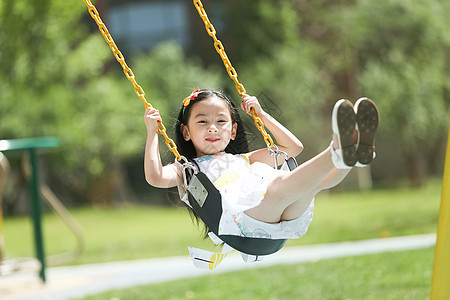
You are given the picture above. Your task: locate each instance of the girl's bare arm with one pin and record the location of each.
(285, 140)
(156, 174)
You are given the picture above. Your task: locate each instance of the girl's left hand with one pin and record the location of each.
(249, 102)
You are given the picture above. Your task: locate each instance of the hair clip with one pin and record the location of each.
(190, 98)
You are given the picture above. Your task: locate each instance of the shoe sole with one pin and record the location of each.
(367, 119)
(343, 122)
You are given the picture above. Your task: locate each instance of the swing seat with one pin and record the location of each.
(206, 201)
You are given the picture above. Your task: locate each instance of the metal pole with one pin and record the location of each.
(4, 169)
(440, 283)
(36, 211)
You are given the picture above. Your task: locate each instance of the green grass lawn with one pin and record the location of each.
(396, 275)
(138, 231)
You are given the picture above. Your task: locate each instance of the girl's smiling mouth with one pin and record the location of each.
(212, 139)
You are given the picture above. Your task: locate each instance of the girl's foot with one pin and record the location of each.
(343, 120)
(367, 124)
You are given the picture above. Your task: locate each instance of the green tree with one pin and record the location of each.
(54, 82)
(294, 92)
(396, 52)
(258, 28)
(407, 72)
(277, 64)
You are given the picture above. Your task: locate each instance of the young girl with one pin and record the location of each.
(258, 200)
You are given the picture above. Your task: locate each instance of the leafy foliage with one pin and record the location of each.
(296, 90)
(59, 79)
(259, 27)
(65, 83)
(408, 72)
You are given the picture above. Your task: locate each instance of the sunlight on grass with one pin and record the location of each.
(137, 231)
(375, 214)
(397, 275)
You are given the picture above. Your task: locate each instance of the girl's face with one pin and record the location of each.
(210, 127)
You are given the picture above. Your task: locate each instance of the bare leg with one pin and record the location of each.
(297, 208)
(333, 178)
(368, 118)
(290, 194)
(299, 185)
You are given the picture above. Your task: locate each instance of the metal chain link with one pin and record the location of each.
(230, 70)
(128, 73)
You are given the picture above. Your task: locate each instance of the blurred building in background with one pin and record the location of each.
(140, 25)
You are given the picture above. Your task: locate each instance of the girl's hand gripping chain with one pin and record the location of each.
(151, 118)
(249, 102)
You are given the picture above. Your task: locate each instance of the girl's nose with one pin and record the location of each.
(212, 128)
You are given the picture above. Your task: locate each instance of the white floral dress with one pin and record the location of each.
(243, 186)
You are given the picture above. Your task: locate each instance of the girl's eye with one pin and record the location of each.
(222, 121)
(202, 122)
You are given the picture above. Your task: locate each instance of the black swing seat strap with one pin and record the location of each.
(292, 163)
(206, 201)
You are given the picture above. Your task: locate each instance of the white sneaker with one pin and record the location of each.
(343, 123)
(367, 119)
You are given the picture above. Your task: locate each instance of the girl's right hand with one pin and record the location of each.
(151, 118)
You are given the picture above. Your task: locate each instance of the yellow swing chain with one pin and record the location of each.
(230, 70)
(128, 73)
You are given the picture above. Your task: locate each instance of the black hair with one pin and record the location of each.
(186, 148)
